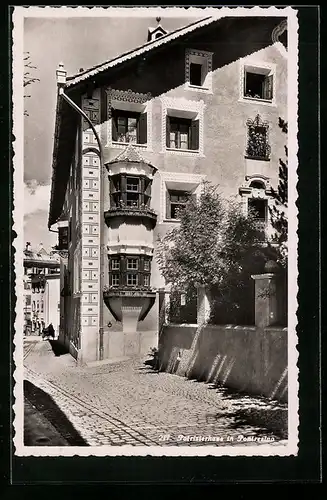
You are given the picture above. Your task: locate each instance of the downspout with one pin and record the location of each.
(101, 277)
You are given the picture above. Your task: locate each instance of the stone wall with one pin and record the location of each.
(249, 359)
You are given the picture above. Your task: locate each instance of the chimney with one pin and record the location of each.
(28, 246)
(61, 74)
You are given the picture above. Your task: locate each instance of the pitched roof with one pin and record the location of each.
(85, 75)
(129, 154)
(40, 259)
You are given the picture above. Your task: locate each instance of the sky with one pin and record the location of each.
(79, 43)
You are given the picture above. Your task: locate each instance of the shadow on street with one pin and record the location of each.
(58, 348)
(47, 411)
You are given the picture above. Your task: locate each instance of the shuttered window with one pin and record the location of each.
(182, 133)
(258, 85)
(129, 127)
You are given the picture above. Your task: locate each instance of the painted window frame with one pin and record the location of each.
(194, 56)
(182, 108)
(248, 191)
(191, 183)
(257, 66)
(128, 101)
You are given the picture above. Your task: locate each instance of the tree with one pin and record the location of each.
(214, 246)
(278, 212)
(28, 78)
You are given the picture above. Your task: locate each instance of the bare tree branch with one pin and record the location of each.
(28, 78)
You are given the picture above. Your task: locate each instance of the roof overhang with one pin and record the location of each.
(63, 153)
(149, 46)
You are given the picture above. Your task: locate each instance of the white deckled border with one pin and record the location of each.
(291, 447)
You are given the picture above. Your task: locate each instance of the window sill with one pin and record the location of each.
(256, 158)
(116, 144)
(172, 221)
(179, 150)
(198, 88)
(258, 100)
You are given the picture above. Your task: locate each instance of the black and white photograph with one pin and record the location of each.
(155, 177)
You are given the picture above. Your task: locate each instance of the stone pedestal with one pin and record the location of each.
(266, 300)
(203, 305)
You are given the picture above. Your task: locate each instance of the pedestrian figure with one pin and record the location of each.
(48, 332)
(51, 331)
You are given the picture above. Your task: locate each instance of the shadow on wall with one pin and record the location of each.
(246, 359)
(48, 409)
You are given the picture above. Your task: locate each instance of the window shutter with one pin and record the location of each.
(168, 210)
(268, 88)
(142, 129)
(167, 131)
(244, 82)
(104, 105)
(114, 126)
(194, 143)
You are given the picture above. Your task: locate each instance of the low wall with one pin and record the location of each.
(118, 344)
(248, 359)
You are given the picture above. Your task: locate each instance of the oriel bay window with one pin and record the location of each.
(115, 264)
(115, 279)
(126, 271)
(129, 191)
(132, 264)
(146, 280)
(146, 265)
(128, 126)
(182, 133)
(132, 279)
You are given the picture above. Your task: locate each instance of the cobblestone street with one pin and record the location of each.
(128, 403)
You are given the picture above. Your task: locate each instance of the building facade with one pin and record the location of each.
(134, 139)
(41, 290)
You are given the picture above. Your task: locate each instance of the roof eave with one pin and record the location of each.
(53, 217)
(82, 77)
(51, 220)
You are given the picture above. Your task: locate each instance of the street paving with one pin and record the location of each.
(127, 403)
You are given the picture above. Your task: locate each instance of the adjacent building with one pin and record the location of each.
(41, 290)
(135, 137)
